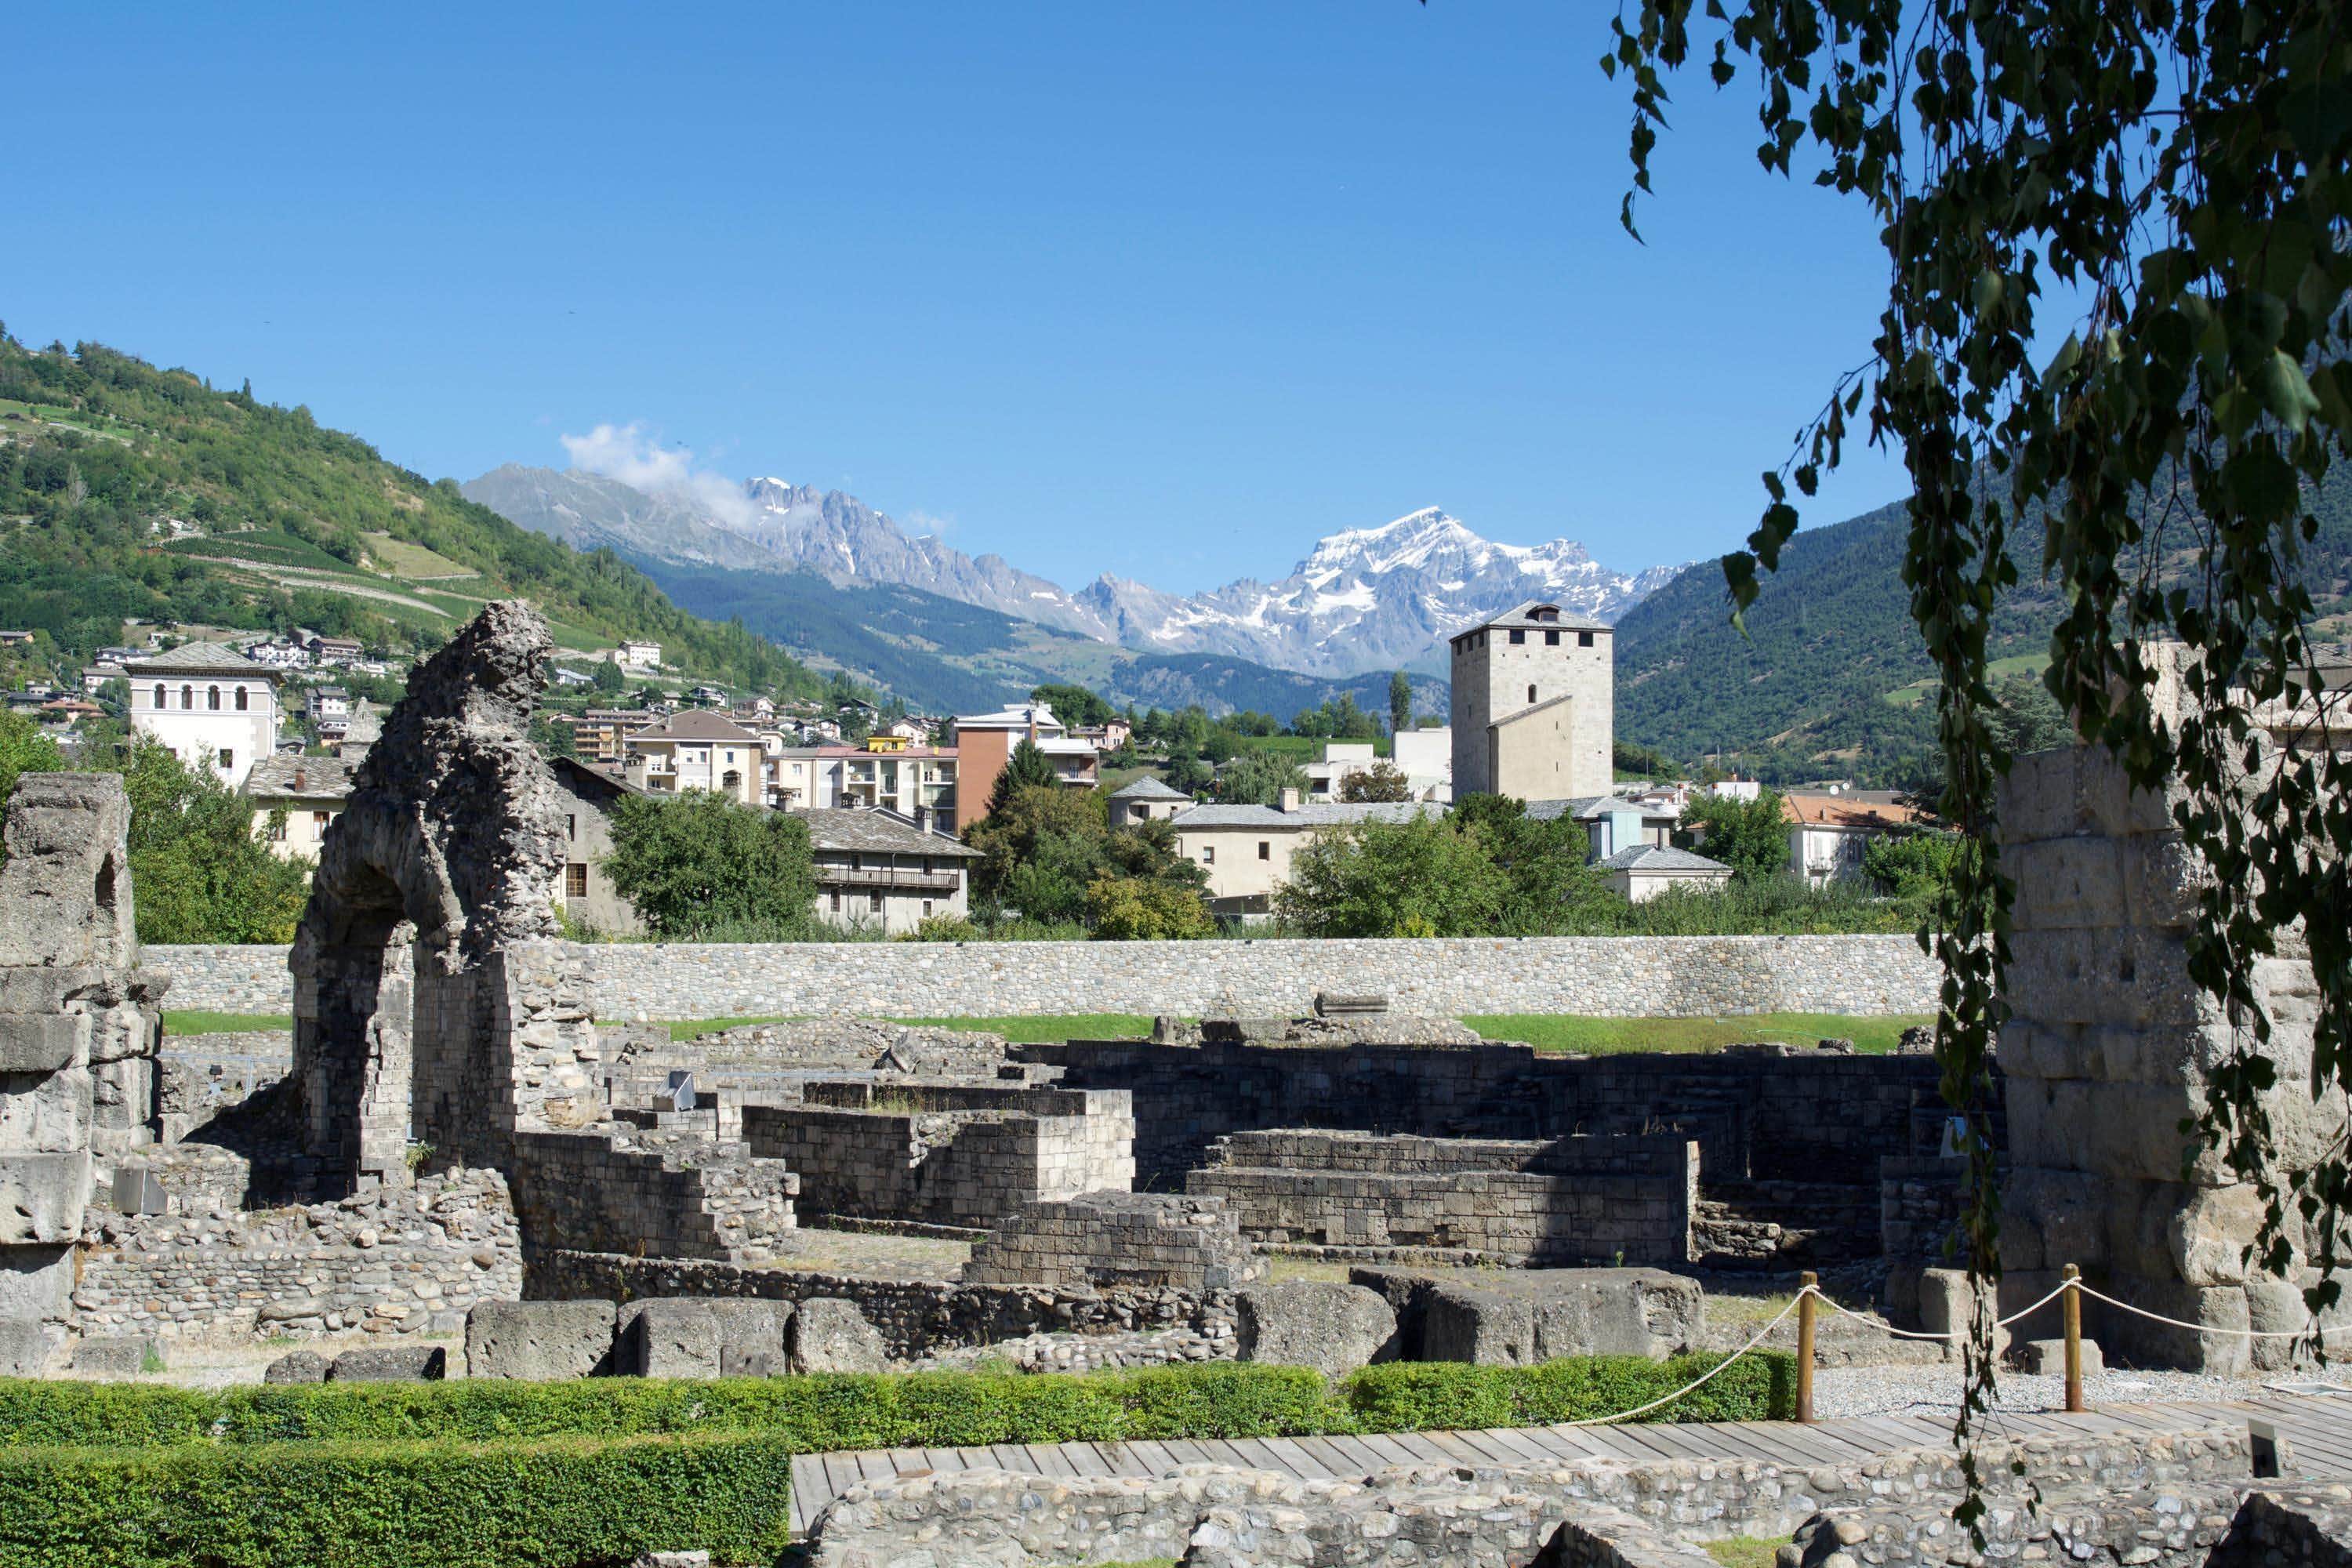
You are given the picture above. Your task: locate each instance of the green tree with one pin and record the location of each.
(1144, 908)
(699, 865)
(1399, 702)
(1383, 781)
(1026, 768)
(1914, 866)
(606, 678)
(198, 871)
(1415, 878)
(1074, 705)
(24, 749)
(1046, 847)
(1259, 778)
(552, 740)
(1752, 837)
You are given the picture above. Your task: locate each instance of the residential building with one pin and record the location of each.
(1642, 871)
(1426, 757)
(878, 868)
(1534, 705)
(696, 749)
(212, 706)
(709, 696)
(97, 675)
(633, 654)
(1615, 823)
(985, 743)
(1246, 849)
(330, 708)
(1146, 800)
(310, 791)
(1342, 760)
(337, 650)
(584, 888)
(601, 735)
(1827, 832)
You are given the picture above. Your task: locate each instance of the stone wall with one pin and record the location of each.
(679, 1196)
(915, 1318)
(945, 1154)
(2106, 1052)
(199, 1075)
(1607, 976)
(1563, 1200)
(1120, 1241)
(1811, 1116)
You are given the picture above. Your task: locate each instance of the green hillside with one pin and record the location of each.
(101, 452)
(943, 655)
(1833, 679)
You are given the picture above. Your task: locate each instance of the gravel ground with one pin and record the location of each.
(1936, 1390)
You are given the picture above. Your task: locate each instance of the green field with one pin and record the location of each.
(202, 1023)
(1919, 691)
(399, 558)
(264, 545)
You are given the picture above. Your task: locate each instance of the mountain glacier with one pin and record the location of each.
(1372, 598)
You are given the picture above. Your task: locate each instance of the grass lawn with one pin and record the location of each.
(223, 1023)
(1745, 1551)
(1553, 1032)
(401, 558)
(1051, 1027)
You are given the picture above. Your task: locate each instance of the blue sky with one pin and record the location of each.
(1169, 291)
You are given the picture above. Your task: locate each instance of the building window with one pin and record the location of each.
(160, 698)
(188, 698)
(240, 700)
(1518, 636)
(571, 826)
(1264, 850)
(1208, 854)
(227, 759)
(874, 902)
(927, 908)
(317, 823)
(1551, 639)
(212, 698)
(278, 833)
(575, 880)
(1531, 694)
(1584, 639)
(837, 903)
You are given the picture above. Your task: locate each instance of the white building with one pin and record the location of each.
(1246, 850)
(1642, 871)
(310, 791)
(696, 751)
(638, 656)
(209, 704)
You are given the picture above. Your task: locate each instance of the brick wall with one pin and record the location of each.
(1607, 976)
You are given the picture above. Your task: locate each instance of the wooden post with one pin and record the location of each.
(1805, 1347)
(2073, 1312)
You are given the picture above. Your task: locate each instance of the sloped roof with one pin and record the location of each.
(696, 724)
(1524, 615)
(1335, 814)
(1017, 717)
(324, 779)
(1844, 811)
(1531, 712)
(1587, 807)
(201, 658)
(1148, 787)
(840, 828)
(1651, 858)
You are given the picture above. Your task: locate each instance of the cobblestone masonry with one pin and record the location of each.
(948, 1154)
(2107, 1050)
(673, 1195)
(915, 1318)
(204, 1075)
(1119, 1240)
(1561, 1200)
(1608, 976)
(1414, 1514)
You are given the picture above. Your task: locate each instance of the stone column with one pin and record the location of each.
(79, 1026)
(2108, 1051)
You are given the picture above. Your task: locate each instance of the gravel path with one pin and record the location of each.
(1936, 1390)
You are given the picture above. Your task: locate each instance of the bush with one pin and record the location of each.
(1417, 1396)
(493, 1505)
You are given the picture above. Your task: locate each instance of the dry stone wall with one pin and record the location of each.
(1605, 977)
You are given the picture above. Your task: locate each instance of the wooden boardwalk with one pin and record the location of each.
(2317, 1430)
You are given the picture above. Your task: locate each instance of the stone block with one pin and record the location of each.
(752, 1336)
(2040, 797)
(1330, 1327)
(2067, 883)
(46, 988)
(35, 1281)
(122, 1357)
(1484, 1328)
(2062, 1216)
(2220, 1309)
(2109, 802)
(2047, 1358)
(390, 1364)
(2276, 1306)
(2209, 1233)
(831, 1335)
(297, 1366)
(1544, 1314)
(668, 1337)
(1946, 1303)
(40, 1042)
(42, 1197)
(2163, 879)
(26, 1346)
(539, 1342)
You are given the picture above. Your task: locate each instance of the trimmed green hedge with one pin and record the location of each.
(934, 1410)
(402, 1505)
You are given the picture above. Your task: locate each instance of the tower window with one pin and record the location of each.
(1584, 639)
(163, 699)
(240, 700)
(187, 697)
(1551, 639)
(1518, 636)
(212, 698)
(1531, 694)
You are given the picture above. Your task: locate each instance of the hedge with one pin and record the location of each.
(933, 1410)
(402, 1505)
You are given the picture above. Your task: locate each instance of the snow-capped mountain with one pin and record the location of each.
(1373, 598)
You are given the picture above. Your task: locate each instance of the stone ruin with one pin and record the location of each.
(79, 1020)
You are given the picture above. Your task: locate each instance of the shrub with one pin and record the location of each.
(334, 1505)
(1415, 1397)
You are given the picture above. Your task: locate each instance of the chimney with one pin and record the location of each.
(302, 778)
(1289, 798)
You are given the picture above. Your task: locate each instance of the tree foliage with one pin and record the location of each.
(1415, 878)
(1752, 837)
(1047, 848)
(198, 871)
(2181, 173)
(700, 867)
(1383, 781)
(1259, 778)
(1074, 705)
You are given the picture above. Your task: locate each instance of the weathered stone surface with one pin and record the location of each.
(753, 1336)
(1545, 1314)
(115, 1357)
(24, 1347)
(2047, 1358)
(297, 1366)
(1332, 1328)
(390, 1364)
(65, 893)
(668, 1338)
(1946, 1303)
(832, 1335)
(41, 1042)
(1110, 1240)
(42, 1197)
(540, 1340)
(35, 1281)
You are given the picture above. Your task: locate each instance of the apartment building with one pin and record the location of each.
(695, 750)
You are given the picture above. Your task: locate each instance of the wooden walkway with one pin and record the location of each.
(2317, 1430)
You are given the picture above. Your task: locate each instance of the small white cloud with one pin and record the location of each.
(626, 453)
(923, 521)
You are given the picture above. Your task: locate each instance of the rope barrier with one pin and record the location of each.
(2017, 1316)
(2214, 1328)
(1707, 1376)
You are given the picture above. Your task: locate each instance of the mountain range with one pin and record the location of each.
(1366, 600)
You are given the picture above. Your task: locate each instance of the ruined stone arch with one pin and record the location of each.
(435, 1009)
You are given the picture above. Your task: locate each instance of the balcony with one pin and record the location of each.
(896, 879)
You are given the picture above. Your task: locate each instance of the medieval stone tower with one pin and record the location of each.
(1534, 705)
